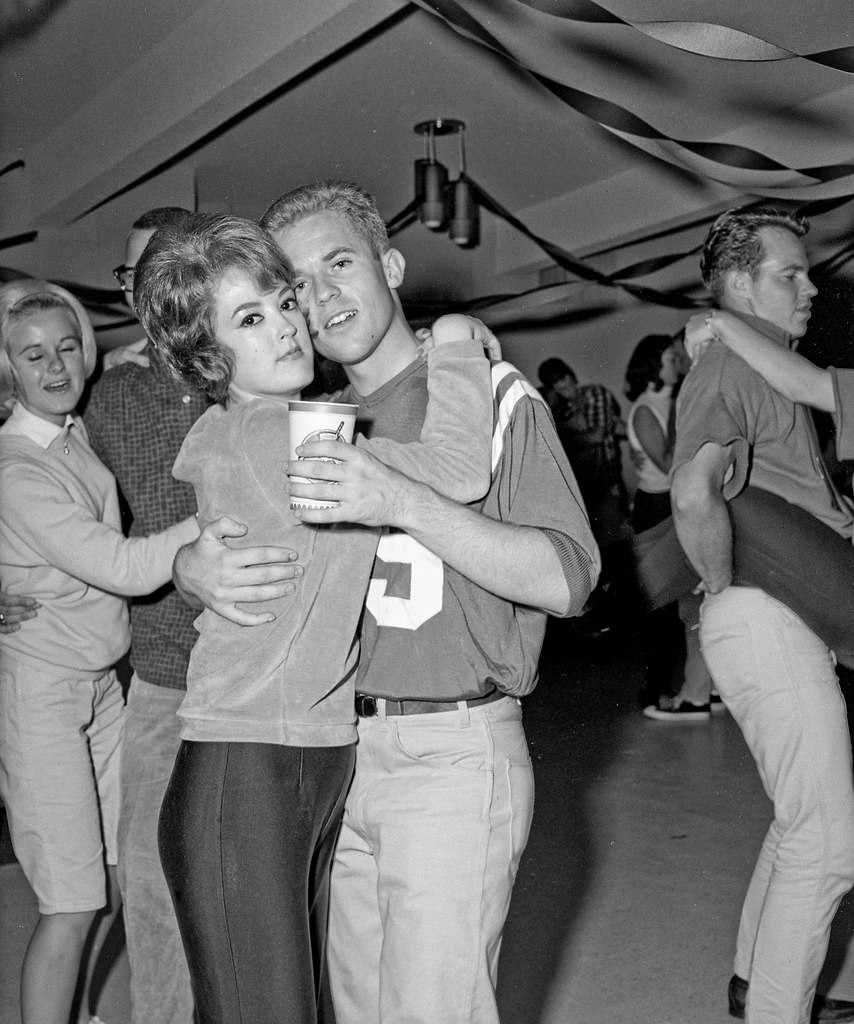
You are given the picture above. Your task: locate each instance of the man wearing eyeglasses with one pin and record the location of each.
(141, 231)
(137, 418)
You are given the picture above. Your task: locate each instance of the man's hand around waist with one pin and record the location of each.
(212, 573)
(15, 609)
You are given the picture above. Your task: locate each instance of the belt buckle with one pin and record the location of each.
(366, 706)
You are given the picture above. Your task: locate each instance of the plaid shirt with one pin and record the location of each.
(592, 408)
(137, 418)
(601, 410)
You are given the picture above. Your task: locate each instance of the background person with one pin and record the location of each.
(590, 426)
(673, 661)
(138, 415)
(60, 699)
(591, 429)
(775, 675)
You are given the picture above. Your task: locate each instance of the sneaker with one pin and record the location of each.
(668, 710)
(716, 705)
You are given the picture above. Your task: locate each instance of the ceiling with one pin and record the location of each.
(108, 109)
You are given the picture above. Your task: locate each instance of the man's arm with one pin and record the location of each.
(793, 376)
(518, 563)
(209, 573)
(701, 516)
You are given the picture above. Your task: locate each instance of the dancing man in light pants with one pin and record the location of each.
(774, 674)
(438, 813)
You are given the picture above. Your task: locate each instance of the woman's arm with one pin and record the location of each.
(44, 517)
(787, 372)
(454, 451)
(657, 445)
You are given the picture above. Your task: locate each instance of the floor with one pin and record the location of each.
(627, 900)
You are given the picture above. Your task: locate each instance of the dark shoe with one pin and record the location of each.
(591, 626)
(737, 995)
(824, 1010)
(668, 710)
(828, 1011)
(647, 695)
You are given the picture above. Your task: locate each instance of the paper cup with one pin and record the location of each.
(317, 421)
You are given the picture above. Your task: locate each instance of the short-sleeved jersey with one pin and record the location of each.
(770, 441)
(430, 633)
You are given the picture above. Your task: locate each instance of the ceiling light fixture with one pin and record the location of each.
(438, 201)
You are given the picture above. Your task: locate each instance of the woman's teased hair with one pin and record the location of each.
(25, 298)
(644, 365)
(174, 286)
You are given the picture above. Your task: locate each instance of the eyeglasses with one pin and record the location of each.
(124, 275)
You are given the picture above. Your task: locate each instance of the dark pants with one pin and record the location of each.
(246, 834)
(663, 633)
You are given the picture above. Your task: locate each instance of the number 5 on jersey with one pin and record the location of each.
(400, 552)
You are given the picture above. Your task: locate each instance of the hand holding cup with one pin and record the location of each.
(317, 421)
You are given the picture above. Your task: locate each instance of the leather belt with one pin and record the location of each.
(368, 706)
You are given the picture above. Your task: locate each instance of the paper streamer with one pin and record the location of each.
(501, 24)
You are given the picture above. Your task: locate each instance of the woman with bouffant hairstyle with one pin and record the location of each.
(250, 817)
(175, 283)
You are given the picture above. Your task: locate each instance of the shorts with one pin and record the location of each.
(59, 781)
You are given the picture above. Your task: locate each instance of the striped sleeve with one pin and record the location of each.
(533, 482)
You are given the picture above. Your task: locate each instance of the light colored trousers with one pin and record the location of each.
(777, 679)
(435, 824)
(60, 743)
(159, 979)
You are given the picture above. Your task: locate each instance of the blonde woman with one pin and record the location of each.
(61, 703)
